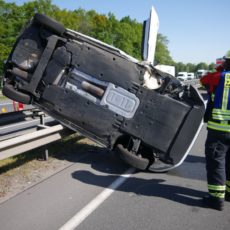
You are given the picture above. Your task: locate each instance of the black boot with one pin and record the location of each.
(213, 202)
(227, 196)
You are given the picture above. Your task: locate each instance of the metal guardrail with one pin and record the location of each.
(26, 142)
(18, 137)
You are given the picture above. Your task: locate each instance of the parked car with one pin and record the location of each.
(103, 93)
(190, 76)
(182, 76)
(201, 72)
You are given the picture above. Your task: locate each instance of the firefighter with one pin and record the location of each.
(217, 146)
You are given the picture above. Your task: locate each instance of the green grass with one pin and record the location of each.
(37, 154)
(60, 150)
(30, 166)
(2, 97)
(19, 170)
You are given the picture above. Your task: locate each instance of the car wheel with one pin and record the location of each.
(132, 159)
(9, 91)
(49, 23)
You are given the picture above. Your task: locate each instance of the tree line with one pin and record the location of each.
(125, 34)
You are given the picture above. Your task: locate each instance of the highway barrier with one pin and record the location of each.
(29, 141)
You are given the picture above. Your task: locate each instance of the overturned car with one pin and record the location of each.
(148, 117)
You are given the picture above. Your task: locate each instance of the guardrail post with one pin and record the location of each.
(46, 154)
(42, 118)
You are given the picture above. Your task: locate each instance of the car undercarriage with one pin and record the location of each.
(147, 116)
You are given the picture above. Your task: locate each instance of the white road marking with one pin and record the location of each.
(79, 217)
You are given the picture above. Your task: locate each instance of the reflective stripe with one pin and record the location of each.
(221, 117)
(212, 96)
(227, 81)
(218, 194)
(219, 127)
(222, 112)
(224, 122)
(217, 187)
(225, 98)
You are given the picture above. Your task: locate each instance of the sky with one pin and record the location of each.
(197, 30)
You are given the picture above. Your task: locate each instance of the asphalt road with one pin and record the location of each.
(93, 193)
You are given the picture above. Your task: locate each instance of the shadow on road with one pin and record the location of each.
(145, 187)
(103, 160)
(195, 159)
(109, 166)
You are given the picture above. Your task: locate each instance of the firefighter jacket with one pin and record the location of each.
(220, 114)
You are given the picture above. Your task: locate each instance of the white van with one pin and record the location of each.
(183, 76)
(201, 72)
(191, 76)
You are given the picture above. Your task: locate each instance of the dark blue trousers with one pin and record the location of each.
(217, 152)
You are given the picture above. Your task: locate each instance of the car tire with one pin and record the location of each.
(49, 23)
(9, 91)
(132, 159)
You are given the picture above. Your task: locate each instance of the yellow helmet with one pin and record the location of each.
(227, 55)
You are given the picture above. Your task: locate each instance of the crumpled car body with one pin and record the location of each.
(148, 117)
